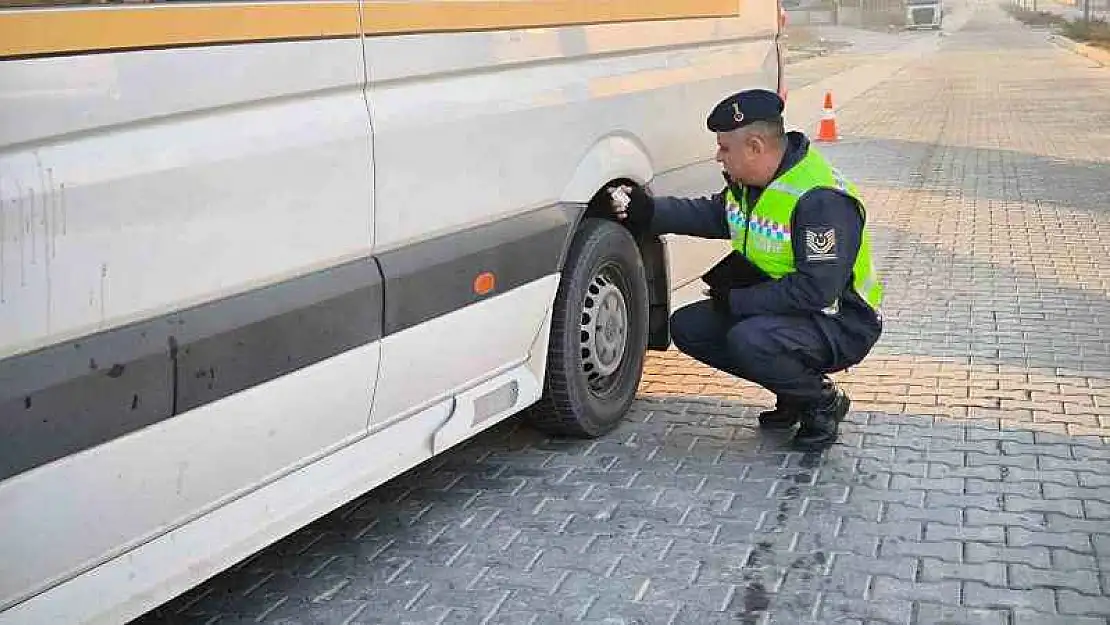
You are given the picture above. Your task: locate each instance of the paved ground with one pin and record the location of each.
(842, 43)
(972, 483)
(837, 48)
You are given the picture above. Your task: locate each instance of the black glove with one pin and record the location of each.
(731, 272)
(719, 300)
(638, 212)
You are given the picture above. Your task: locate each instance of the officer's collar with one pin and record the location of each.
(797, 144)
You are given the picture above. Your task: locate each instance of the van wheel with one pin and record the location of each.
(599, 331)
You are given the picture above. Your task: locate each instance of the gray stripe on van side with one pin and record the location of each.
(435, 277)
(75, 395)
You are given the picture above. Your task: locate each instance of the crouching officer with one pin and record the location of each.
(798, 297)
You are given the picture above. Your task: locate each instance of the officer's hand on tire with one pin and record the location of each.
(620, 200)
(632, 206)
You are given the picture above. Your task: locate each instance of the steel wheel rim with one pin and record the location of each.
(604, 329)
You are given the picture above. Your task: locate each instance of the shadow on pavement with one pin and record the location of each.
(685, 514)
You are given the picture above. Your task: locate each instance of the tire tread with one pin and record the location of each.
(555, 412)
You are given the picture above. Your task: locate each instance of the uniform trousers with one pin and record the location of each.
(786, 354)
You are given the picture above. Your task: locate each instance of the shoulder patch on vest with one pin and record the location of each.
(820, 244)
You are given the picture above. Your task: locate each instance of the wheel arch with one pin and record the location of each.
(618, 155)
(620, 158)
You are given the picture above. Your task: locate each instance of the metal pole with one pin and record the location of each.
(1087, 11)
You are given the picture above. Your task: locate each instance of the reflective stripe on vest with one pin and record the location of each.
(763, 232)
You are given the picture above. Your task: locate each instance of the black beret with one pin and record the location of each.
(743, 108)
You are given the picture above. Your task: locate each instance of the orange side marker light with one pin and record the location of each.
(484, 283)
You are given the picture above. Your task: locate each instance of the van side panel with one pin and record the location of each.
(188, 303)
(472, 128)
(214, 275)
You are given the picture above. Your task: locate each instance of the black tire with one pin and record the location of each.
(578, 400)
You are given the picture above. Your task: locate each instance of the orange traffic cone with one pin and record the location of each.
(827, 129)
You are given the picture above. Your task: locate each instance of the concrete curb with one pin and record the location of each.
(798, 57)
(1096, 54)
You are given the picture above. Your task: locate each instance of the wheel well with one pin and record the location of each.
(653, 251)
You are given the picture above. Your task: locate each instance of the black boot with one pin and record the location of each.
(783, 417)
(821, 421)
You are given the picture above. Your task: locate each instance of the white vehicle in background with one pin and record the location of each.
(924, 14)
(258, 258)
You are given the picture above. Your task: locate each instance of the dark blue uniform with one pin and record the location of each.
(775, 333)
